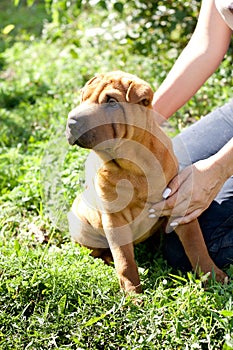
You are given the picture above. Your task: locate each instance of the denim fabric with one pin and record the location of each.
(217, 228)
(200, 141)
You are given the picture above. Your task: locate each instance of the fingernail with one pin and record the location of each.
(166, 192)
(169, 230)
(151, 210)
(152, 216)
(174, 224)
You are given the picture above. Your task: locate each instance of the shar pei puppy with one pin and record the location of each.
(130, 165)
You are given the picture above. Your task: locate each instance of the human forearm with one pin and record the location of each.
(223, 160)
(182, 82)
(196, 63)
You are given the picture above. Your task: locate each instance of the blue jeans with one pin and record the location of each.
(200, 141)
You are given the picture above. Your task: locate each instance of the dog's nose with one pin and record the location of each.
(74, 114)
(85, 109)
(74, 126)
(71, 130)
(77, 123)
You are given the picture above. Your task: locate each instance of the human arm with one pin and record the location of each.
(196, 186)
(197, 62)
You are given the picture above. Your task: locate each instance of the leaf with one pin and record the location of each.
(177, 278)
(17, 247)
(30, 2)
(73, 53)
(16, 2)
(46, 311)
(103, 4)
(226, 313)
(98, 318)
(62, 304)
(8, 29)
(118, 6)
(94, 320)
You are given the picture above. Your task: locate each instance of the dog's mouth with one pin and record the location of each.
(102, 137)
(86, 140)
(81, 135)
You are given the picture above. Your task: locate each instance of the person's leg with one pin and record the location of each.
(200, 141)
(217, 226)
(205, 137)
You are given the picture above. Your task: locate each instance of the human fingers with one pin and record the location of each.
(172, 187)
(162, 208)
(176, 201)
(174, 222)
(175, 205)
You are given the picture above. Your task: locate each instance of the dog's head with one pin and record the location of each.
(103, 114)
(117, 86)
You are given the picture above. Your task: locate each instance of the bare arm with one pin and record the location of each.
(223, 159)
(197, 62)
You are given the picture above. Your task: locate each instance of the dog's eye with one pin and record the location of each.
(111, 100)
(145, 102)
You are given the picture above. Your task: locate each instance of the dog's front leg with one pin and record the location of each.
(194, 245)
(126, 268)
(119, 236)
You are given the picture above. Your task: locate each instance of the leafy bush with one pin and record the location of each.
(149, 33)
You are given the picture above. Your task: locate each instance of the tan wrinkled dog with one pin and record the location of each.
(131, 164)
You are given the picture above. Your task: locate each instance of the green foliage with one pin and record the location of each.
(13, 27)
(146, 36)
(147, 27)
(52, 293)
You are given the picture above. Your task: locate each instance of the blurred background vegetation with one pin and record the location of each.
(50, 48)
(143, 37)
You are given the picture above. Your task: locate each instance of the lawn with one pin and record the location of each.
(53, 294)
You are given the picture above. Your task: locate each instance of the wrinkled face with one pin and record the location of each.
(100, 117)
(118, 86)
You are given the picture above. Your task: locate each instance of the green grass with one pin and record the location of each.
(60, 297)
(53, 295)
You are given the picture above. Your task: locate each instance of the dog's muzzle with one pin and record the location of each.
(77, 127)
(89, 124)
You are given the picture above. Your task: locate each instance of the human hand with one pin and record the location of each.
(189, 193)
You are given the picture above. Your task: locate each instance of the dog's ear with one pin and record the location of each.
(87, 85)
(139, 93)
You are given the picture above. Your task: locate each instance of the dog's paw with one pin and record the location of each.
(222, 277)
(217, 275)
